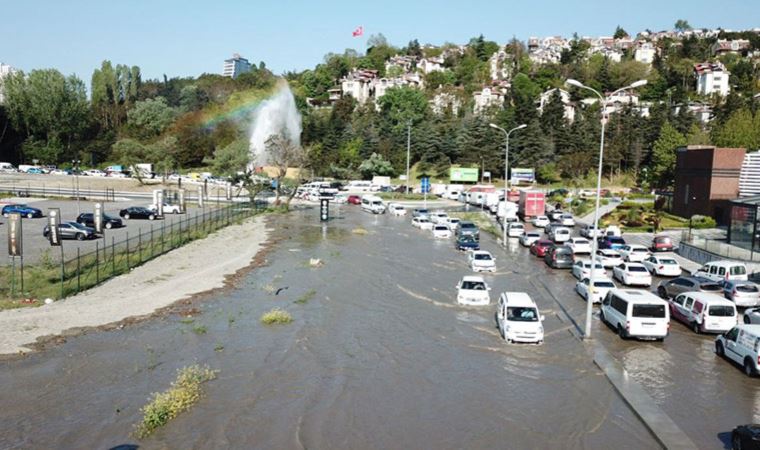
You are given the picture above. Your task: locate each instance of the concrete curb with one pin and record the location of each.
(662, 427)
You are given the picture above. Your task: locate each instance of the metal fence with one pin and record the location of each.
(55, 278)
(719, 248)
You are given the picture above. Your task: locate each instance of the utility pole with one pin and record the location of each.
(408, 151)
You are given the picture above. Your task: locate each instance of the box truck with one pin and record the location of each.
(531, 204)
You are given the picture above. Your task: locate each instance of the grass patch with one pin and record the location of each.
(187, 320)
(306, 297)
(360, 231)
(218, 348)
(200, 329)
(276, 316)
(164, 406)
(481, 219)
(403, 196)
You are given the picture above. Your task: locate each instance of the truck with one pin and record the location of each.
(531, 204)
(507, 211)
(143, 170)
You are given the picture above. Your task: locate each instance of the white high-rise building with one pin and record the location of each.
(5, 70)
(235, 66)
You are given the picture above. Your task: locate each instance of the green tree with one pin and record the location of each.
(620, 33)
(698, 136)
(150, 117)
(664, 155)
(234, 161)
(376, 165)
(742, 129)
(402, 105)
(129, 153)
(682, 25)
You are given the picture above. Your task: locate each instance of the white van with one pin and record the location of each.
(703, 312)
(722, 270)
(636, 313)
(519, 319)
(560, 235)
(373, 204)
(358, 186)
(742, 345)
(515, 229)
(7, 167)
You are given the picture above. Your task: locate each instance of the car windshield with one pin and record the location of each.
(483, 256)
(667, 261)
(604, 284)
(581, 242)
(422, 211)
(473, 286)
(545, 244)
(721, 311)
(441, 228)
(655, 311)
(616, 240)
(746, 288)
(640, 250)
(637, 269)
(453, 220)
(522, 314)
(596, 266)
(467, 238)
(533, 235)
(662, 240)
(467, 226)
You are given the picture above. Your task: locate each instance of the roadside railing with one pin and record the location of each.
(54, 278)
(718, 248)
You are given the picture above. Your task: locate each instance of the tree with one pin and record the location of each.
(376, 165)
(149, 118)
(698, 136)
(129, 153)
(682, 25)
(664, 155)
(114, 90)
(234, 161)
(742, 129)
(283, 153)
(403, 104)
(620, 33)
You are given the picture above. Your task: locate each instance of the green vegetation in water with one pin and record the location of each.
(306, 297)
(187, 320)
(359, 231)
(200, 329)
(276, 316)
(164, 406)
(218, 348)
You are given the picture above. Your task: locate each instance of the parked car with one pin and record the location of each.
(473, 291)
(518, 318)
(421, 212)
(704, 312)
(582, 269)
(555, 215)
(94, 173)
(441, 231)
(88, 220)
(632, 274)
(723, 270)
(35, 171)
(751, 316)
(515, 229)
(611, 242)
(663, 266)
(540, 221)
(396, 209)
(633, 252)
(341, 198)
(608, 257)
(423, 223)
(590, 232)
(635, 313)
(540, 247)
(567, 220)
(439, 217)
(168, 209)
(602, 285)
(354, 200)
(741, 345)
(559, 257)
(453, 223)
(529, 238)
(467, 242)
(25, 211)
(468, 228)
(137, 212)
(745, 437)
(560, 235)
(71, 230)
(662, 244)
(742, 293)
(481, 261)
(670, 288)
(579, 245)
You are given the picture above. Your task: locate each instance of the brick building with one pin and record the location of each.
(707, 179)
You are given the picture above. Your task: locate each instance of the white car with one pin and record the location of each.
(481, 261)
(590, 232)
(439, 217)
(609, 258)
(341, 198)
(540, 221)
(634, 252)
(423, 223)
(168, 209)
(94, 173)
(58, 172)
(579, 245)
(518, 318)
(582, 269)
(515, 229)
(473, 291)
(602, 286)
(664, 266)
(752, 316)
(441, 232)
(397, 210)
(632, 274)
(567, 220)
(453, 223)
(529, 238)
(560, 235)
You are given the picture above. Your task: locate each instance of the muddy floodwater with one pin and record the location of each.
(378, 357)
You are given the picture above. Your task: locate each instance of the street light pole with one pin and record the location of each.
(408, 147)
(75, 164)
(595, 242)
(506, 174)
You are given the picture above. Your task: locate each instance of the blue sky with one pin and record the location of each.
(189, 37)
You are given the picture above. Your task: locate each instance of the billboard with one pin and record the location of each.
(466, 174)
(523, 176)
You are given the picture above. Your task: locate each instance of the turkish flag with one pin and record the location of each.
(358, 32)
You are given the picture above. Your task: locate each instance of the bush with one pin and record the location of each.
(276, 316)
(701, 222)
(548, 174)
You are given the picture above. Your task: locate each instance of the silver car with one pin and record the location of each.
(670, 288)
(743, 293)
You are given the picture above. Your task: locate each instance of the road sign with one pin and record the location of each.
(15, 241)
(425, 185)
(324, 209)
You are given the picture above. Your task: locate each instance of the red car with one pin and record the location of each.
(662, 244)
(354, 200)
(540, 247)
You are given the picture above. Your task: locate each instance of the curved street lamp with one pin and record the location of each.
(506, 172)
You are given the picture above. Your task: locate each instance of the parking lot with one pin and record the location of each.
(37, 247)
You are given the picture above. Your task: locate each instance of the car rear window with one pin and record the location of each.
(662, 240)
(738, 270)
(668, 261)
(616, 240)
(637, 269)
(721, 311)
(655, 311)
(710, 287)
(746, 288)
(473, 286)
(604, 284)
(641, 250)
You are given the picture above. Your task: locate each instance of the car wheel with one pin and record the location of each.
(109, 225)
(661, 292)
(30, 216)
(748, 369)
(695, 328)
(151, 217)
(719, 349)
(126, 216)
(621, 332)
(80, 236)
(176, 211)
(747, 320)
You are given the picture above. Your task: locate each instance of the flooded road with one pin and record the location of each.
(378, 356)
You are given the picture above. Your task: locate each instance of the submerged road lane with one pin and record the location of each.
(378, 356)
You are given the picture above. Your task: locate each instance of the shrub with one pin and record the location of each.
(700, 222)
(276, 316)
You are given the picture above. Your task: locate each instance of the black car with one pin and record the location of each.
(467, 242)
(746, 437)
(466, 228)
(109, 222)
(559, 257)
(137, 212)
(71, 230)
